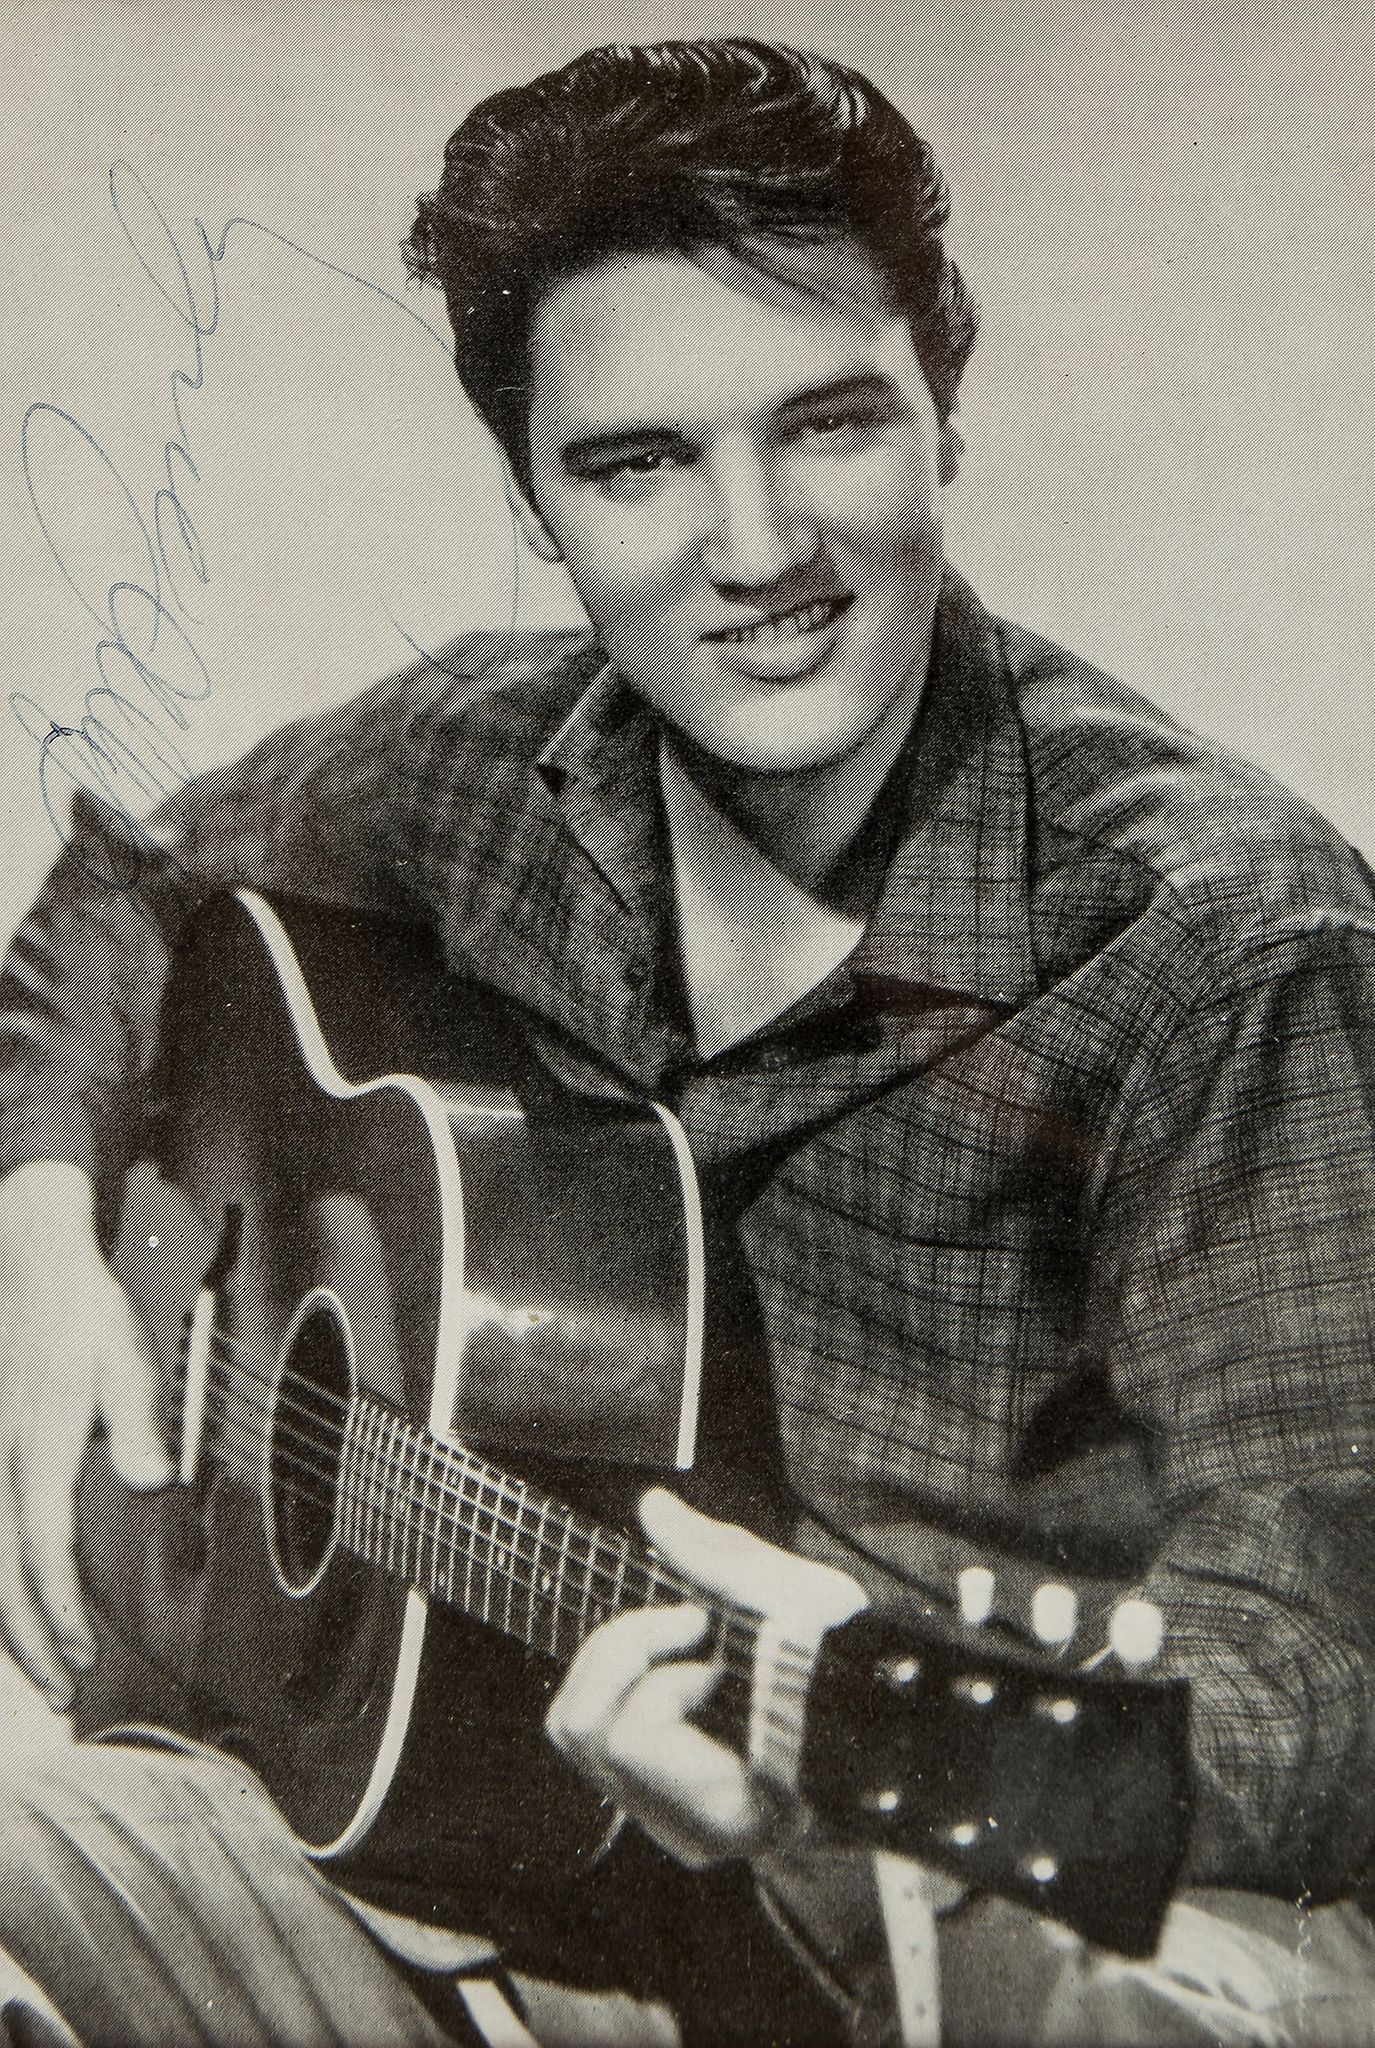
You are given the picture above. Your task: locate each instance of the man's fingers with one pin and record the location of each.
(128, 1406)
(71, 1356)
(27, 1633)
(688, 1791)
(735, 1565)
(608, 1667)
(49, 1572)
(42, 1486)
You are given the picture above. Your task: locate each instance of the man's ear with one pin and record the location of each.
(538, 538)
(949, 449)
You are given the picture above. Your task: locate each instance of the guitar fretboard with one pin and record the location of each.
(471, 1535)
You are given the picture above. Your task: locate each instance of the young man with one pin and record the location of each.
(1023, 1042)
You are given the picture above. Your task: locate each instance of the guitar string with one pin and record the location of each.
(736, 1634)
(412, 1530)
(374, 1502)
(481, 1473)
(735, 1647)
(735, 1631)
(377, 1487)
(507, 1555)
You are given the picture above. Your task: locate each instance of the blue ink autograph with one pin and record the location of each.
(146, 659)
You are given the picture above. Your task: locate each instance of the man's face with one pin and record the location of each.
(743, 479)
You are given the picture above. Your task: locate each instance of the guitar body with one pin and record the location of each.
(366, 1292)
(436, 1247)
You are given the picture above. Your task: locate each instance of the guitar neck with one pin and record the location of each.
(469, 1534)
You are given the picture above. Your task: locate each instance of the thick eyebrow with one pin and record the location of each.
(863, 384)
(589, 449)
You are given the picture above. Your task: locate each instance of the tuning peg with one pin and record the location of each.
(974, 1587)
(1136, 1632)
(1054, 1614)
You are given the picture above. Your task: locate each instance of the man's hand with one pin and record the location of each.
(621, 1715)
(71, 1356)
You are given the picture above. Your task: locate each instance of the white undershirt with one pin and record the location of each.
(752, 942)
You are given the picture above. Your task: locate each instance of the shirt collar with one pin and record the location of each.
(602, 767)
(953, 911)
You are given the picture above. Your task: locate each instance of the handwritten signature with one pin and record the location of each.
(147, 660)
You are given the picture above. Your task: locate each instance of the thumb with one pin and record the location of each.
(129, 1405)
(735, 1565)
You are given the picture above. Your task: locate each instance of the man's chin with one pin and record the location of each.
(724, 759)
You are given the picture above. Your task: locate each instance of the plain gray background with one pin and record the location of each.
(1165, 211)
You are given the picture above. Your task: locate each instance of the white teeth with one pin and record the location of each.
(787, 625)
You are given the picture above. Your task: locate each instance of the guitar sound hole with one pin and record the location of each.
(309, 1421)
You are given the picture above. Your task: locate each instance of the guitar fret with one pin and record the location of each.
(658, 1579)
(357, 1488)
(470, 1546)
(538, 1575)
(482, 1534)
(449, 1494)
(431, 1460)
(593, 1616)
(355, 1466)
(360, 1485)
(493, 1487)
(513, 1557)
(560, 1574)
(384, 1531)
(474, 1601)
(383, 1460)
(420, 1456)
(368, 1475)
(586, 1594)
(345, 1490)
(403, 1472)
(376, 1488)
(452, 1467)
(622, 1549)
(492, 1537)
(401, 1496)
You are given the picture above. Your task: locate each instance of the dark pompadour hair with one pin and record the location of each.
(674, 148)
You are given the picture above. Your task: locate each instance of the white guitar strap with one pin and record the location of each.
(910, 1896)
(495, 2018)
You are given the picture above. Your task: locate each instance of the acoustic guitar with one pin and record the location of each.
(357, 1282)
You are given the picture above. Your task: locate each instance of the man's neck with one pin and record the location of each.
(807, 824)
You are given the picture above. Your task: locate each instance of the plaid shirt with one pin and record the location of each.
(1056, 1199)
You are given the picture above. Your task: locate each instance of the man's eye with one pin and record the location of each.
(634, 466)
(833, 426)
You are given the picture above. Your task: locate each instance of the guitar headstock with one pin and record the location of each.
(1063, 1789)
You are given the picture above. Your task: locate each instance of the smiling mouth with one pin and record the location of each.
(779, 626)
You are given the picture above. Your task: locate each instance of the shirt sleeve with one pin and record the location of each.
(80, 996)
(1234, 1294)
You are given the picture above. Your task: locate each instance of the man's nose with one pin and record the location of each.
(754, 528)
